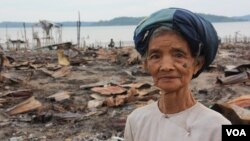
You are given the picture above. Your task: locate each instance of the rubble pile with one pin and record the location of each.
(64, 93)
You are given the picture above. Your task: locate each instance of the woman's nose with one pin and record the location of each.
(166, 64)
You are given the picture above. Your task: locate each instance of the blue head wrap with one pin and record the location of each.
(199, 32)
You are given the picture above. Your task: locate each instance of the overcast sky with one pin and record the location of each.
(95, 10)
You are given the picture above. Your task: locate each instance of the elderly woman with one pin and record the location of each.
(177, 46)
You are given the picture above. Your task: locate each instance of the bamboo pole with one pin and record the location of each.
(78, 30)
(25, 37)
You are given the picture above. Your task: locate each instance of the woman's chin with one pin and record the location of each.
(168, 89)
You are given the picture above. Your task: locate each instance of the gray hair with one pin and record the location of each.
(162, 30)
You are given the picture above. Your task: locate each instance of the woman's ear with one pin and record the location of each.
(199, 62)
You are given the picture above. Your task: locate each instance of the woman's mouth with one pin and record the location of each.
(167, 78)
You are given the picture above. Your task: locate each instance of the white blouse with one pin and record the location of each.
(197, 123)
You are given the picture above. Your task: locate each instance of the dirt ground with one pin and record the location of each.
(72, 120)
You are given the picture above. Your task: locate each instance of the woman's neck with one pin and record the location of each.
(170, 103)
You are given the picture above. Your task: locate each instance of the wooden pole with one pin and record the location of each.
(6, 32)
(78, 30)
(25, 37)
(6, 36)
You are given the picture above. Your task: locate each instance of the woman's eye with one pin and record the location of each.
(154, 56)
(179, 55)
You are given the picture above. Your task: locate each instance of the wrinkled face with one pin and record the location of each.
(170, 63)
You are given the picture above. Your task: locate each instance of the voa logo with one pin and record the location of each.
(236, 132)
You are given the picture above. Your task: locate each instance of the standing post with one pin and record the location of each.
(78, 30)
(6, 32)
(235, 37)
(25, 37)
(6, 36)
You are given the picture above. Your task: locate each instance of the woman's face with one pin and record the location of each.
(170, 63)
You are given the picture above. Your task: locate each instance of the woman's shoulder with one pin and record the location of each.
(145, 111)
(210, 115)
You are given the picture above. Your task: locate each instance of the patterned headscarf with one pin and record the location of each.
(199, 32)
